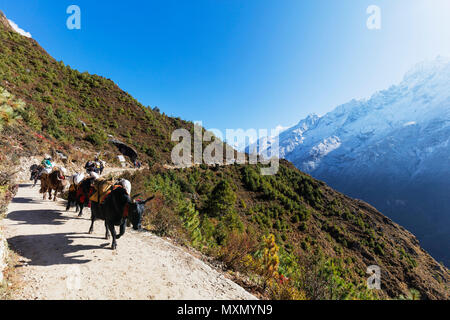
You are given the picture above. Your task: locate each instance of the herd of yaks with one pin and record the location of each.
(109, 201)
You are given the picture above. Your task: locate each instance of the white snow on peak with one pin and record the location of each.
(399, 125)
(18, 29)
(427, 67)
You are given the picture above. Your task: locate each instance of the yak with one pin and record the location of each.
(52, 181)
(72, 199)
(117, 208)
(80, 196)
(36, 171)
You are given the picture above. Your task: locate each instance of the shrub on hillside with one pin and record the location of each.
(167, 223)
(98, 138)
(10, 108)
(237, 247)
(31, 118)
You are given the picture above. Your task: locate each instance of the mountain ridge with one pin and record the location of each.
(400, 133)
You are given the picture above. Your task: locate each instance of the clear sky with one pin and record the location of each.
(241, 63)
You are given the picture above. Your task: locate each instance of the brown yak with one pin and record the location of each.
(52, 181)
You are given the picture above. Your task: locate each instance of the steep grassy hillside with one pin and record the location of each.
(78, 109)
(287, 236)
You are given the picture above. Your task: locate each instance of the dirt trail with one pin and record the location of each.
(59, 260)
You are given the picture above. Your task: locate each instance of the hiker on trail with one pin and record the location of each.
(99, 165)
(90, 167)
(94, 166)
(47, 164)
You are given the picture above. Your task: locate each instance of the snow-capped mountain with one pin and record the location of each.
(244, 146)
(391, 150)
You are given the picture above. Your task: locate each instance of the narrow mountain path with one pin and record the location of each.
(59, 260)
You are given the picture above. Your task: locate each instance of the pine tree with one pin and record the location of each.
(191, 222)
(222, 200)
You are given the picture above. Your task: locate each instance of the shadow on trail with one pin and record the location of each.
(27, 185)
(51, 249)
(24, 200)
(37, 217)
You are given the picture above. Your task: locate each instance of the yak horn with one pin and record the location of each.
(149, 199)
(135, 196)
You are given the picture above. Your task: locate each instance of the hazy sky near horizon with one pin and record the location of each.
(241, 64)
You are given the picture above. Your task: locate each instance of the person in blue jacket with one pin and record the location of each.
(47, 163)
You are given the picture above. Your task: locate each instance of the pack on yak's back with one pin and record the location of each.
(47, 170)
(75, 181)
(126, 185)
(78, 178)
(101, 187)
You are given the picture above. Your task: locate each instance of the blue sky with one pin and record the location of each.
(241, 64)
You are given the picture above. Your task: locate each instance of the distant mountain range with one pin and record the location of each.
(391, 150)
